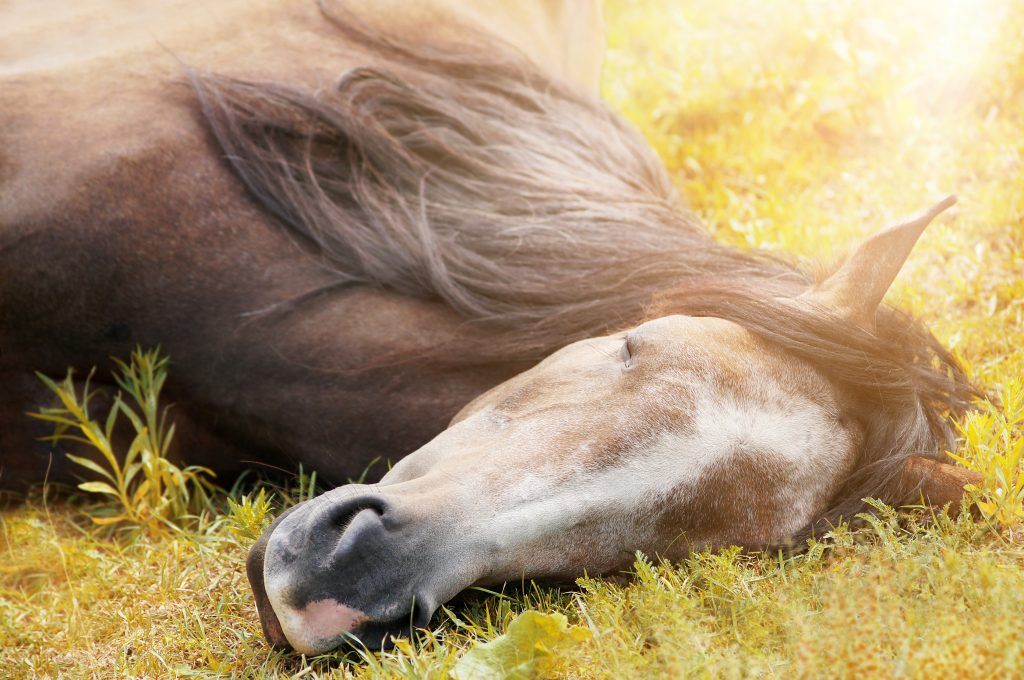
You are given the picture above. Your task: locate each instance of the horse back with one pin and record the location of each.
(89, 84)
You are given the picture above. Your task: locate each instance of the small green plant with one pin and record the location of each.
(250, 515)
(143, 489)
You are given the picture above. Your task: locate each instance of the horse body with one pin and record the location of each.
(120, 225)
(336, 268)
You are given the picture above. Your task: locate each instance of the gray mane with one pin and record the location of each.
(475, 180)
(464, 174)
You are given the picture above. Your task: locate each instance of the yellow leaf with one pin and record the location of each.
(98, 487)
(529, 648)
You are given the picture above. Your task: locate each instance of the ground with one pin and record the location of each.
(794, 126)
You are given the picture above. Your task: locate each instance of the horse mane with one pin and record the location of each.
(465, 174)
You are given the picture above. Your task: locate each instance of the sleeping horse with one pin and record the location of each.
(413, 231)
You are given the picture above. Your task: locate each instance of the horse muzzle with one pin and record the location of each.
(348, 566)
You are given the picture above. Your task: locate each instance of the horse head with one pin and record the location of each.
(689, 430)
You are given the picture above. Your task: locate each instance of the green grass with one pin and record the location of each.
(800, 128)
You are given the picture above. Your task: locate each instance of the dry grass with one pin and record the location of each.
(799, 128)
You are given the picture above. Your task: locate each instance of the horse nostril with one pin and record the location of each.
(341, 520)
(342, 514)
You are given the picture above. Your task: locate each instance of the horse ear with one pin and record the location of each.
(858, 286)
(940, 484)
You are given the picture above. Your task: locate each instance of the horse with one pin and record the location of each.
(454, 255)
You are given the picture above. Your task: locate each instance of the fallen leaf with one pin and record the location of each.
(529, 648)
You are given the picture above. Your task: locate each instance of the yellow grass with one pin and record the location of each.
(797, 126)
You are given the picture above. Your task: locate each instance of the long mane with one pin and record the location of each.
(463, 173)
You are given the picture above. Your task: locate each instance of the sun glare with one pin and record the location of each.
(959, 36)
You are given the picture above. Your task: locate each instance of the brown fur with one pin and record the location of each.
(735, 504)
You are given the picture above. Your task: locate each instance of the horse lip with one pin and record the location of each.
(271, 625)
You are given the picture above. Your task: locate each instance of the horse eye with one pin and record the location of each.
(627, 352)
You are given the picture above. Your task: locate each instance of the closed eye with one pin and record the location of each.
(627, 352)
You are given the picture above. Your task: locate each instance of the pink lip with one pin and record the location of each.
(307, 629)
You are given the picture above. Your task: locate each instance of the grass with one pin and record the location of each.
(801, 128)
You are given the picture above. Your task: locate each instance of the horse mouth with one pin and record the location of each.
(271, 625)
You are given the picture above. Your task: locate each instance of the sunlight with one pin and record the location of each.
(959, 39)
